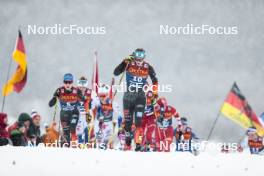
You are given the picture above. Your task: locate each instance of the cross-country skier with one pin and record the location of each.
(184, 136)
(253, 141)
(86, 93)
(69, 98)
(84, 108)
(149, 122)
(105, 118)
(137, 71)
(164, 131)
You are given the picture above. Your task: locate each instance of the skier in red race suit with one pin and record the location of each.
(164, 131)
(149, 122)
(137, 71)
(253, 141)
(69, 98)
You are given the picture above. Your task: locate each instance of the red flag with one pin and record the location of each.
(111, 89)
(95, 78)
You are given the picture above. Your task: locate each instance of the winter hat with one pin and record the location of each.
(184, 120)
(46, 125)
(23, 117)
(34, 113)
(2, 117)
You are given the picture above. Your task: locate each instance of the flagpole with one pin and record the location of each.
(95, 72)
(213, 127)
(216, 119)
(7, 77)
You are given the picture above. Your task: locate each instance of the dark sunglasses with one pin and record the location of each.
(67, 82)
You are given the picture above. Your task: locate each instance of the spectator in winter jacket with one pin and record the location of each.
(23, 118)
(52, 135)
(33, 132)
(4, 136)
(18, 137)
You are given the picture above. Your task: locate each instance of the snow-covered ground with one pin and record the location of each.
(42, 161)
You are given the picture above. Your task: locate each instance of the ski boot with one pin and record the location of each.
(138, 148)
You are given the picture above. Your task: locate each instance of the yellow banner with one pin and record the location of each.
(19, 75)
(240, 118)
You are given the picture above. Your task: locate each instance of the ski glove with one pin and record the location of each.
(129, 59)
(53, 101)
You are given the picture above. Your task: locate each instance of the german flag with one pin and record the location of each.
(19, 78)
(237, 109)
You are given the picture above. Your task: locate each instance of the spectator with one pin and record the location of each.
(4, 136)
(33, 132)
(24, 118)
(18, 135)
(52, 135)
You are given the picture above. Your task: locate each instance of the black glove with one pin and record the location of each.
(52, 102)
(3, 141)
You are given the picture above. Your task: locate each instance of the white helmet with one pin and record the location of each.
(251, 130)
(82, 82)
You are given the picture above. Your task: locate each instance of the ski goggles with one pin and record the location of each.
(82, 83)
(139, 54)
(251, 132)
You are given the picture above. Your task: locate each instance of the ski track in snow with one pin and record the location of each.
(63, 161)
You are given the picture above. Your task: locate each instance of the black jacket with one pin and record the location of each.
(34, 132)
(123, 65)
(18, 138)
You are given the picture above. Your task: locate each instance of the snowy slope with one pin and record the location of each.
(54, 161)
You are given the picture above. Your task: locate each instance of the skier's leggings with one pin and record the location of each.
(134, 105)
(68, 119)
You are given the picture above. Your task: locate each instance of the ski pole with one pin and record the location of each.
(91, 126)
(158, 129)
(121, 79)
(55, 111)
